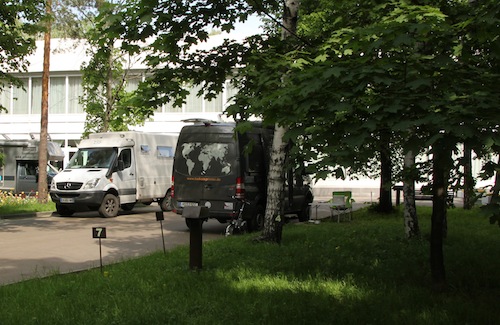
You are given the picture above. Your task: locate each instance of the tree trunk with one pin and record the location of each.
(44, 114)
(273, 220)
(385, 204)
(468, 179)
(109, 93)
(441, 163)
(412, 229)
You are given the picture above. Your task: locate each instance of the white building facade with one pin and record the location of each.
(66, 113)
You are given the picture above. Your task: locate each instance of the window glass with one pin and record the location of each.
(144, 148)
(75, 90)
(126, 156)
(169, 108)
(164, 151)
(230, 92)
(36, 95)
(5, 96)
(214, 105)
(205, 158)
(21, 99)
(194, 103)
(57, 98)
(133, 83)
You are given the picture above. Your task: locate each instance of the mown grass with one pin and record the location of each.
(363, 272)
(19, 203)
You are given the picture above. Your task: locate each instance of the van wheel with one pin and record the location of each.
(257, 221)
(166, 202)
(64, 210)
(109, 206)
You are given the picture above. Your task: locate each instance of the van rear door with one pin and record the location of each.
(205, 169)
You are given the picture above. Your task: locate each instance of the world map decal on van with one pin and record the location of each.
(206, 158)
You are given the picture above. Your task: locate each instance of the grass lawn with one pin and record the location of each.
(363, 272)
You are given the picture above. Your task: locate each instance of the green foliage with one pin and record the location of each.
(321, 274)
(108, 104)
(355, 75)
(20, 22)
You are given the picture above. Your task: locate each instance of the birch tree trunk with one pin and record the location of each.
(273, 220)
(44, 114)
(412, 229)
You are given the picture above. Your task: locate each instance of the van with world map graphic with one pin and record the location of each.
(218, 168)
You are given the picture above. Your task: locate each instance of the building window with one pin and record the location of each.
(194, 103)
(5, 93)
(231, 91)
(36, 95)
(214, 105)
(20, 105)
(57, 98)
(75, 91)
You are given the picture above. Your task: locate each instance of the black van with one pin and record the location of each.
(217, 168)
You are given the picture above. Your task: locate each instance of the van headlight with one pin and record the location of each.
(91, 184)
(52, 185)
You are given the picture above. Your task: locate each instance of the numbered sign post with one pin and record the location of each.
(99, 232)
(160, 218)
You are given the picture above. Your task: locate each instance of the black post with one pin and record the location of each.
(195, 244)
(160, 218)
(195, 216)
(100, 254)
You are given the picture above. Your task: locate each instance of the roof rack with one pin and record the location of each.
(199, 121)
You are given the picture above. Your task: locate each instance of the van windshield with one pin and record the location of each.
(92, 158)
(205, 158)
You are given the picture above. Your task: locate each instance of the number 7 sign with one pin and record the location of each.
(98, 232)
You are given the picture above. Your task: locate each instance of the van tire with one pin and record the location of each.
(166, 202)
(109, 206)
(64, 210)
(256, 223)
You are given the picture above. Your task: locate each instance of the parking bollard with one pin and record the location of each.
(195, 216)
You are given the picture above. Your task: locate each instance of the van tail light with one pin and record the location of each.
(240, 188)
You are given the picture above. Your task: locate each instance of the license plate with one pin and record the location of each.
(188, 204)
(67, 200)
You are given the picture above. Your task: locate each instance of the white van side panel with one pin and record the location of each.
(154, 156)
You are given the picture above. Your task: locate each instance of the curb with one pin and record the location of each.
(27, 215)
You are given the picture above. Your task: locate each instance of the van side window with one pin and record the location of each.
(164, 151)
(126, 156)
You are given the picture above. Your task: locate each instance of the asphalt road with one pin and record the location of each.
(48, 244)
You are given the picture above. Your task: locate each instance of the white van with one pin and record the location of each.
(113, 170)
